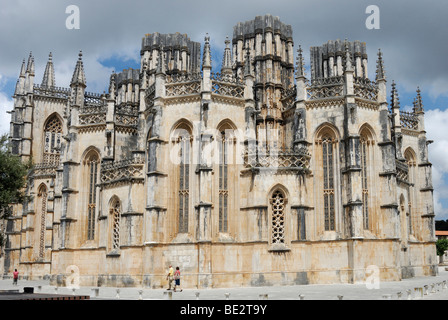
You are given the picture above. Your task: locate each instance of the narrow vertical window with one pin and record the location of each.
(410, 160)
(115, 213)
(52, 140)
(278, 218)
(42, 195)
(184, 177)
(92, 167)
(223, 191)
(364, 178)
(328, 175)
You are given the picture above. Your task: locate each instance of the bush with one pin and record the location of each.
(442, 246)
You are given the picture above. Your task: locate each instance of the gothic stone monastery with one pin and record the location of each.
(256, 175)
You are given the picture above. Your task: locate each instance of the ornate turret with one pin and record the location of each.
(177, 52)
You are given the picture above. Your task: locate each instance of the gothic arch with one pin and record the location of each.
(51, 116)
(327, 129)
(410, 155)
(226, 124)
(278, 186)
(367, 131)
(180, 125)
(88, 153)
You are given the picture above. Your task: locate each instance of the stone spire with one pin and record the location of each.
(20, 85)
(418, 103)
(247, 62)
(49, 79)
(30, 65)
(300, 64)
(207, 57)
(395, 101)
(79, 77)
(112, 85)
(22, 70)
(348, 57)
(227, 59)
(29, 74)
(380, 72)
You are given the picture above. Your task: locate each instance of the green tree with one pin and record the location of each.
(442, 246)
(13, 174)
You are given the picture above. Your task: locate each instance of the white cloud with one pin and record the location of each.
(6, 104)
(436, 122)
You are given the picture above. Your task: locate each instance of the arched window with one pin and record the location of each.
(411, 162)
(115, 216)
(91, 164)
(52, 140)
(328, 201)
(223, 145)
(328, 182)
(42, 203)
(278, 203)
(366, 152)
(182, 138)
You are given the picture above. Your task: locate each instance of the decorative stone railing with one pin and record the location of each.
(93, 99)
(326, 88)
(51, 92)
(408, 120)
(44, 170)
(227, 85)
(402, 171)
(122, 171)
(274, 158)
(366, 89)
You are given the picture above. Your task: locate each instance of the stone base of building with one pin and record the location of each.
(218, 265)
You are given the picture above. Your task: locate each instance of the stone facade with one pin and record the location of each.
(256, 175)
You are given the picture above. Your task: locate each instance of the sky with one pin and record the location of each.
(413, 36)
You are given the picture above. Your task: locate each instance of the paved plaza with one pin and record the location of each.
(418, 288)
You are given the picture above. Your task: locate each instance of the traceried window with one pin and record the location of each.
(52, 140)
(223, 175)
(328, 183)
(115, 215)
(91, 163)
(278, 203)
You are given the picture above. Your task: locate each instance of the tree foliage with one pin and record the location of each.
(12, 178)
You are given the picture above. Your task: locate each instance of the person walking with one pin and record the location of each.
(170, 277)
(15, 277)
(177, 279)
